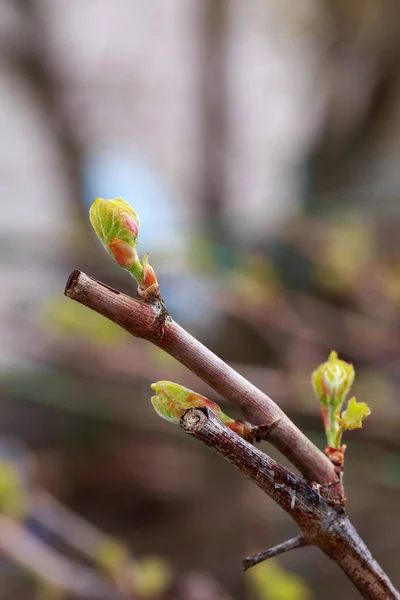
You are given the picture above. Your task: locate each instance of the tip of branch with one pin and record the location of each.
(71, 283)
(78, 281)
(194, 419)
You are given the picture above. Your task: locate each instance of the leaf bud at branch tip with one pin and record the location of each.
(117, 227)
(114, 219)
(332, 380)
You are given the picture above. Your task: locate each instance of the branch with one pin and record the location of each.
(142, 320)
(320, 524)
(300, 500)
(297, 542)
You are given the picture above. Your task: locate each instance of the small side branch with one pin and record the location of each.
(296, 542)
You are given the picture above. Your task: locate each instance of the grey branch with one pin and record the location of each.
(297, 542)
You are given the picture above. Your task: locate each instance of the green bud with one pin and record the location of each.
(332, 380)
(172, 400)
(117, 226)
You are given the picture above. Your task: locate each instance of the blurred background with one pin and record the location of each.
(260, 143)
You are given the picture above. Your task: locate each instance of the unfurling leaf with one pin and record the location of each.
(172, 400)
(354, 414)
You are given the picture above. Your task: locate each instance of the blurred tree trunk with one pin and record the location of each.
(31, 59)
(214, 103)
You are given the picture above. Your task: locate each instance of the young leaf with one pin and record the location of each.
(354, 414)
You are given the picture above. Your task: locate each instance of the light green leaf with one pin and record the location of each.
(354, 414)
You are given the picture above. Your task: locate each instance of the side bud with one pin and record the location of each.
(172, 400)
(148, 284)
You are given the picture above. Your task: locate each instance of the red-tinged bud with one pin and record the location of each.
(148, 285)
(243, 428)
(336, 455)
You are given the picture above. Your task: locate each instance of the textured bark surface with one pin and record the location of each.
(143, 321)
(320, 524)
(317, 503)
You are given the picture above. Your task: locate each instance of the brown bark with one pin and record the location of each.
(320, 524)
(317, 506)
(142, 320)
